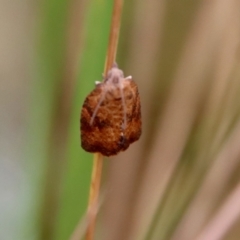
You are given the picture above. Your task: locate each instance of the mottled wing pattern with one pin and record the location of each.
(106, 133)
(133, 107)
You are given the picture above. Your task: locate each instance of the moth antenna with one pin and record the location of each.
(97, 107)
(124, 110)
(97, 82)
(128, 78)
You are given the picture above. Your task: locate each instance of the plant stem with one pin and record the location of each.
(98, 158)
(93, 196)
(114, 35)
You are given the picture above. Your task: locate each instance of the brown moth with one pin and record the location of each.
(111, 115)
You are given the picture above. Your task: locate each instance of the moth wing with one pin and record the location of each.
(133, 106)
(99, 134)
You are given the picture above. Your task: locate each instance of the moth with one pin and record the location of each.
(111, 115)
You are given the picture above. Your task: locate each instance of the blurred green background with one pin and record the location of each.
(174, 182)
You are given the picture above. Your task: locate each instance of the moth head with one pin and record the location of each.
(114, 75)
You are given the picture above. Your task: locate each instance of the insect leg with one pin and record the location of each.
(97, 107)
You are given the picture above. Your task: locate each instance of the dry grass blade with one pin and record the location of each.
(83, 223)
(223, 220)
(223, 98)
(98, 158)
(94, 193)
(114, 35)
(223, 168)
(182, 108)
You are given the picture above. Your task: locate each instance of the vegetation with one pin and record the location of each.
(181, 180)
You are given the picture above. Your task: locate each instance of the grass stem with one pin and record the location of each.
(98, 158)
